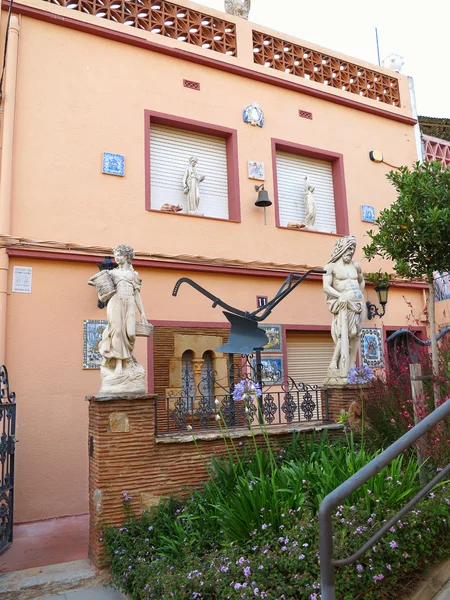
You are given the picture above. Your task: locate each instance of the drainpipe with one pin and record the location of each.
(9, 109)
(417, 132)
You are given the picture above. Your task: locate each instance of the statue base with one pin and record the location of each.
(334, 378)
(130, 381)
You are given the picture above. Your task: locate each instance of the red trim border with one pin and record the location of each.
(56, 256)
(208, 61)
(230, 135)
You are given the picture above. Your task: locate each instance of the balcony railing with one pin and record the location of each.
(287, 404)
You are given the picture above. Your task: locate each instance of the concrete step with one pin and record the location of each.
(52, 580)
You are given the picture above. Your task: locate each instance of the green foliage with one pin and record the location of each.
(413, 231)
(252, 530)
(378, 278)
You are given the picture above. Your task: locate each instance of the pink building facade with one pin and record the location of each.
(153, 87)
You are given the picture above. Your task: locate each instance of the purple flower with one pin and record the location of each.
(247, 571)
(246, 389)
(393, 544)
(359, 568)
(378, 577)
(360, 375)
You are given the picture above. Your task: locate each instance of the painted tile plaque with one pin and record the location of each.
(372, 347)
(113, 164)
(92, 334)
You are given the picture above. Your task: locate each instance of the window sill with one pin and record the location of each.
(180, 214)
(306, 230)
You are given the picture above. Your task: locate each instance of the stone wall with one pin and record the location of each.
(125, 456)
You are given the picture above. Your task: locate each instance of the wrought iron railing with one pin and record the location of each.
(330, 502)
(284, 404)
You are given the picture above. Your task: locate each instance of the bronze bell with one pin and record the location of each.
(263, 196)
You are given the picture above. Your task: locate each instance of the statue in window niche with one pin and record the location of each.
(191, 187)
(343, 286)
(120, 371)
(310, 204)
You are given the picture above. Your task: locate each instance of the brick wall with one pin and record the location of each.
(125, 456)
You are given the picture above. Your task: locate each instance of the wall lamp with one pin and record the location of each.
(106, 265)
(382, 293)
(263, 198)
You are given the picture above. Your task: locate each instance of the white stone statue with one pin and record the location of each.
(394, 62)
(310, 204)
(191, 187)
(120, 371)
(343, 285)
(238, 8)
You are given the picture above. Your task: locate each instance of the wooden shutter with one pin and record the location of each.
(291, 172)
(309, 355)
(170, 150)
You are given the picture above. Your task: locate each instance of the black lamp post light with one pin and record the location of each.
(382, 290)
(106, 265)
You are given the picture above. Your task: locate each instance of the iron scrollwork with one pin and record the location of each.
(7, 448)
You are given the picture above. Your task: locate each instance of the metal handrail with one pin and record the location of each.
(336, 497)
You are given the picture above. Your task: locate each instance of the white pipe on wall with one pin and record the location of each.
(9, 109)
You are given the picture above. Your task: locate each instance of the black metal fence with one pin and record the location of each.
(283, 403)
(7, 448)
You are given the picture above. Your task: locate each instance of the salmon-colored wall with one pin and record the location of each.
(79, 95)
(44, 357)
(91, 98)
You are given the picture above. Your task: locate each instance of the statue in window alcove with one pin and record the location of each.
(191, 187)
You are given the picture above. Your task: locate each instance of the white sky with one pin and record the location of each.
(418, 31)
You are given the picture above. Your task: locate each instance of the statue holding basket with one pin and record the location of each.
(120, 287)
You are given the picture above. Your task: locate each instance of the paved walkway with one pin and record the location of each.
(97, 592)
(45, 543)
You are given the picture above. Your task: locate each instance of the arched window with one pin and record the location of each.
(187, 378)
(207, 375)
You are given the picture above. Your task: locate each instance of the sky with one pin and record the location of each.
(418, 32)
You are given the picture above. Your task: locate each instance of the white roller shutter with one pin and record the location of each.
(170, 150)
(291, 172)
(309, 355)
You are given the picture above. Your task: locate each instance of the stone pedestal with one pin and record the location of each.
(121, 444)
(339, 398)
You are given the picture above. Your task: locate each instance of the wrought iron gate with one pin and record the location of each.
(7, 447)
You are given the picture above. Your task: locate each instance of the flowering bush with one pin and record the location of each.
(389, 406)
(213, 546)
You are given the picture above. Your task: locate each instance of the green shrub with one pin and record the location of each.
(252, 530)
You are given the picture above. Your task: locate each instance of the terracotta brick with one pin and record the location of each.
(146, 467)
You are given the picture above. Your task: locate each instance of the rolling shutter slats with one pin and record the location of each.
(170, 150)
(291, 171)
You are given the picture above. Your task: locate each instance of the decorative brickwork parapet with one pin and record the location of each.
(312, 65)
(163, 18)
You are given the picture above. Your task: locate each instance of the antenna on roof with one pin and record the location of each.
(378, 46)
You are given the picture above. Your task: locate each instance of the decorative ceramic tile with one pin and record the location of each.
(273, 333)
(372, 347)
(254, 115)
(92, 334)
(272, 369)
(368, 213)
(256, 170)
(113, 164)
